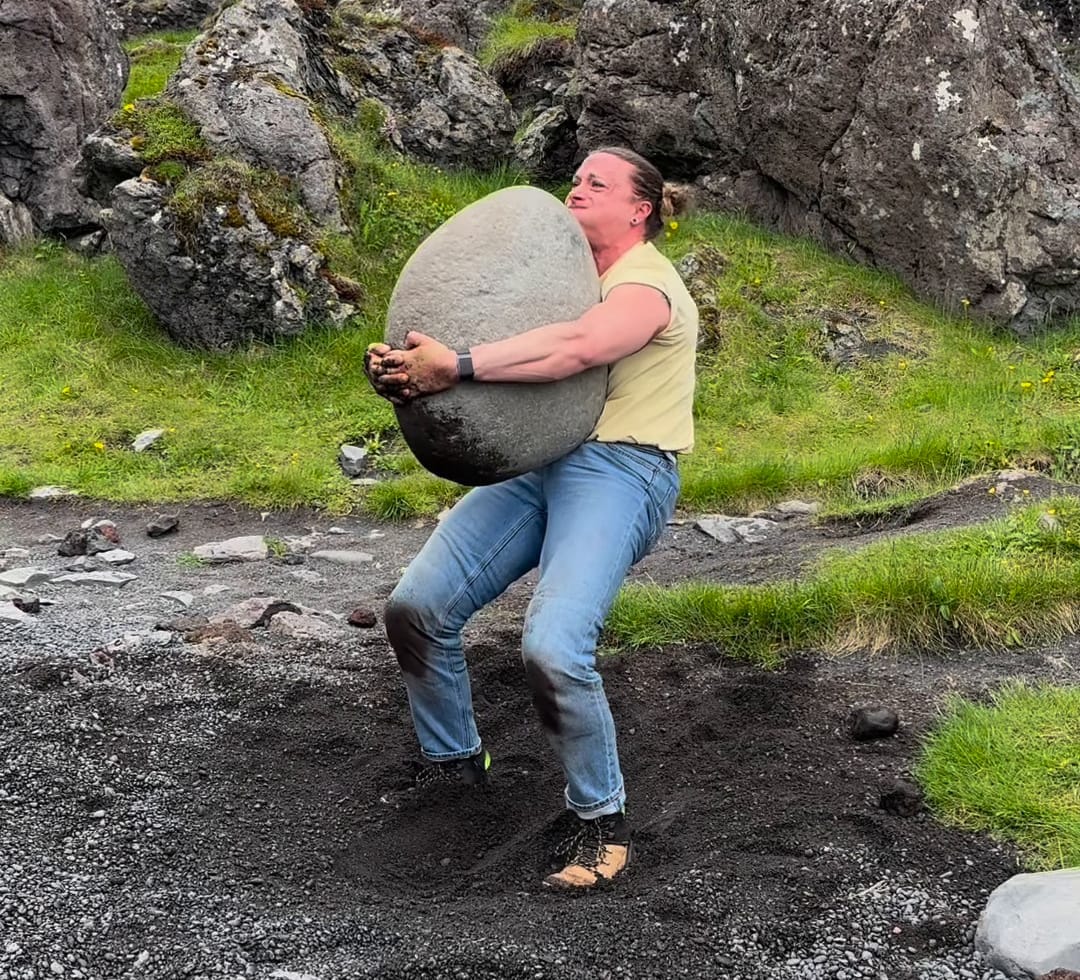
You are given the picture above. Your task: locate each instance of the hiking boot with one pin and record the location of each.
(595, 852)
(472, 771)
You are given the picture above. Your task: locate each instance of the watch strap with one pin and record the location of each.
(464, 365)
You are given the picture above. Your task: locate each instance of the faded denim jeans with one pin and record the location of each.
(584, 520)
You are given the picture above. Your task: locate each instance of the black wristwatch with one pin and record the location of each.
(464, 365)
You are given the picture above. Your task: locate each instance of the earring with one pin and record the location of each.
(633, 221)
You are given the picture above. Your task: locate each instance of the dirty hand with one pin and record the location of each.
(386, 384)
(425, 367)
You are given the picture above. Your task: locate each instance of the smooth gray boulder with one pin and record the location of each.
(61, 76)
(512, 261)
(1031, 924)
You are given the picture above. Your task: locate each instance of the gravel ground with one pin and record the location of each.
(170, 809)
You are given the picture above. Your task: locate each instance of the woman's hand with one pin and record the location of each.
(389, 385)
(425, 367)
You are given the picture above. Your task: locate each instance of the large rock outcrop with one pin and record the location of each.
(440, 105)
(464, 23)
(62, 75)
(217, 230)
(937, 139)
(139, 17)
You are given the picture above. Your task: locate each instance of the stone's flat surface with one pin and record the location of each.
(514, 260)
(117, 556)
(95, 578)
(51, 492)
(1031, 924)
(144, 440)
(22, 578)
(10, 613)
(249, 547)
(736, 530)
(339, 557)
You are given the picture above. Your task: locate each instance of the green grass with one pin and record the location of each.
(997, 585)
(517, 36)
(153, 60)
(1011, 767)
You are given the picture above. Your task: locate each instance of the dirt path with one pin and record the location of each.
(227, 810)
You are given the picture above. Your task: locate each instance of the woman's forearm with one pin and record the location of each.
(548, 353)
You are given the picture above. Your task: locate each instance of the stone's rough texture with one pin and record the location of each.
(1029, 926)
(62, 74)
(867, 723)
(269, 119)
(224, 283)
(512, 261)
(440, 105)
(464, 23)
(144, 440)
(940, 142)
(736, 530)
(162, 524)
(249, 547)
(16, 222)
(546, 148)
(139, 17)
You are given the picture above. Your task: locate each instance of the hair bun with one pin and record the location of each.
(676, 200)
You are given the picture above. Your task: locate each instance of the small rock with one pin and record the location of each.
(344, 557)
(901, 798)
(185, 599)
(144, 440)
(256, 611)
(117, 556)
(227, 632)
(162, 524)
(301, 627)
(51, 493)
(74, 543)
(336, 530)
(10, 612)
(1061, 975)
(96, 578)
(182, 624)
(797, 508)
(362, 617)
(251, 547)
(735, 530)
(866, 723)
(23, 578)
(364, 481)
(351, 459)
(31, 604)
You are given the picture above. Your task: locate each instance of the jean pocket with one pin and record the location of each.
(640, 462)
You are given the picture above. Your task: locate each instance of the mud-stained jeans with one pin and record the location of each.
(583, 520)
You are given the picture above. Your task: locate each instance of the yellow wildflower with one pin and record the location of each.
(1025, 385)
(902, 365)
(673, 225)
(965, 302)
(992, 490)
(99, 446)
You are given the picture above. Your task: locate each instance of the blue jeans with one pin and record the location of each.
(584, 520)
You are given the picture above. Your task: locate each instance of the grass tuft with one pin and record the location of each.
(153, 60)
(997, 585)
(1011, 767)
(517, 37)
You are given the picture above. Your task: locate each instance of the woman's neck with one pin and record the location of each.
(605, 255)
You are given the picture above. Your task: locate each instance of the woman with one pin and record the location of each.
(584, 519)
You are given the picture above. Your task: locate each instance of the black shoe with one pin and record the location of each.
(472, 771)
(595, 851)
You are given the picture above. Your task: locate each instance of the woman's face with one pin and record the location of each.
(602, 198)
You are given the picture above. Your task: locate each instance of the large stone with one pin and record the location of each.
(1030, 924)
(154, 16)
(62, 74)
(512, 261)
(940, 139)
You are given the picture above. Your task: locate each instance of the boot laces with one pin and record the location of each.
(585, 846)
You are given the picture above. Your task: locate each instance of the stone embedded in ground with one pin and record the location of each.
(797, 508)
(345, 557)
(484, 275)
(864, 724)
(901, 798)
(363, 617)
(736, 530)
(10, 612)
(22, 578)
(302, 627)
(250, 547)
(182, 624)
(117, 556)
(1030, 924)
(227, 632)
(184, 599)
(119, 579)
(74, 543)
(29, 604)
(352, 460)
(51, 492)
(1061, 975)
(162, 524)
(144, 440)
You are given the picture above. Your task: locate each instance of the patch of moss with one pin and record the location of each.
(223, 182)
(161, 131)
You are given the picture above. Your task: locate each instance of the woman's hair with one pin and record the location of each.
(667, 200)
